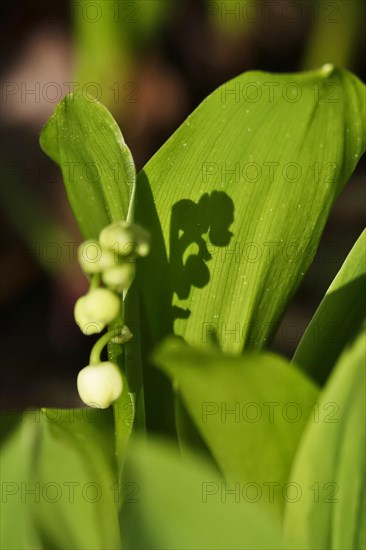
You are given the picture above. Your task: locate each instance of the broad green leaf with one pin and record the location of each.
(89, 433)
(237, 199)
(97, 167)
(99, 176)
(173, 503)
(338, 318)
(250, 411)
(330, 464)
(17, 529)
(59, 482)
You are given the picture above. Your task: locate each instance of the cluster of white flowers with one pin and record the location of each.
(111, 260)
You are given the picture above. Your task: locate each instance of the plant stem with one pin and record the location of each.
(133, 360)
(104, 340)
(94, 281)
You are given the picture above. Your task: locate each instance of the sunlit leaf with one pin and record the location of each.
(249, 410)
(59, 482)
(97, 166)
(330, 464)
(237, 200)
(338, 318)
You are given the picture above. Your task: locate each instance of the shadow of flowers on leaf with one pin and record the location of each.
(193, 226)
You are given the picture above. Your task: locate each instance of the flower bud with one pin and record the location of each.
(125, 239)
(119, 277)
(96, 309)
(93, 258)
(100, 385)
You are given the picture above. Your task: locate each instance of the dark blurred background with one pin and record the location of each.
(151, 62)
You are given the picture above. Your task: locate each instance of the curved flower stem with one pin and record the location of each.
(120, 335)
(94, 281)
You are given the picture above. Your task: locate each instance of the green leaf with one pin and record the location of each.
(89, 433)
(124, 416)
(173, 504)
(17, 529)
(58, 477)
(97, 167)
(250, 410)
(99, 176)
(330, 464)
(237, 200)
(338, 318)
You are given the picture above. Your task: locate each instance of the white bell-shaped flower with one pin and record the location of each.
(119, 277)
(125, 239)
(100, 385)
(93, 258)
(96, 310)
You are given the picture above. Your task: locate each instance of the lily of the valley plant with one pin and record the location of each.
(191, 265)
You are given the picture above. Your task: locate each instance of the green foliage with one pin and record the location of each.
(97, 166)
(331, 461)
(182, 504)
(348, 290)
(57, 473)
(235, 202)
(240, 414)
(237, 199)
